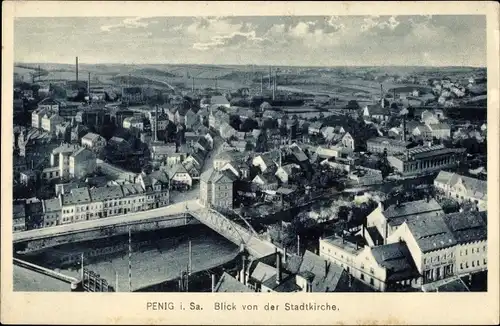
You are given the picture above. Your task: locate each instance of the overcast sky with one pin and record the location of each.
(306, 41)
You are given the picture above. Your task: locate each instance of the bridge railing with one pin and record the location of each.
(45, 271)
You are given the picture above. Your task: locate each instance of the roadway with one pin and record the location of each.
(143, 216)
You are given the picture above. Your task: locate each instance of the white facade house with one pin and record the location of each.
(93, 141)
(463, 189)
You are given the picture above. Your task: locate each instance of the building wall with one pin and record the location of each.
(183, 178)
(222, 195)
(471, 257)
(460, 194)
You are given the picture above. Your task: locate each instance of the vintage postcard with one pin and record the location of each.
(250, 162)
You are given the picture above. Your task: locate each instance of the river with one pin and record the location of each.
(157, 256)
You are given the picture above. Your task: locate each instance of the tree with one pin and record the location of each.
(353, 105)
(261, 143)
(234, 121)
(248, 125)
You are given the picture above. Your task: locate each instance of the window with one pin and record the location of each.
(372, 271)
(425, 260)
(363, 277)
(484, 261)
(371, 281)
(472, 263)
(461, 266)
(466, 252)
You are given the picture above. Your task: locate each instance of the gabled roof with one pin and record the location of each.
(106, 193)
(215, 176)
(397, 214)
(91, 136)
(431, 232)
(326, 277)
(263, 272)
(397, 259)
(467, 226)
(227, 283)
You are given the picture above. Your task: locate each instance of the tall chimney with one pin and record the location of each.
(276, 79)
(278, 268)
(270, 72)
(261, 83)
(382, 103)
(213, 282)
(156, 124)
(88, 86)
(193, 85)
(77, 72)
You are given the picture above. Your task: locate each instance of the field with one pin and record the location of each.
(344, 83)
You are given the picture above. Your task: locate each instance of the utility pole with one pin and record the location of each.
(81, 271)
(190, 266)
(129, 260)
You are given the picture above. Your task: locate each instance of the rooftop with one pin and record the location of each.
(467, 226)
(397, 214)
(431, 233)
(397, 259)
(76, 196)
(227, 283)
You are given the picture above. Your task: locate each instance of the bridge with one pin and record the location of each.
(183, 213)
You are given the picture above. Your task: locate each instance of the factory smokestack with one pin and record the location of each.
(156, 124)
(76, 71)
(88, 87)
(270, 72)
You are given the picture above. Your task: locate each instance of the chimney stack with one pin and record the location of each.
(88, 87)
(77, 72)
(278, 268)
(382, 103)
(213, 282)
(270, 72)
(156, 124)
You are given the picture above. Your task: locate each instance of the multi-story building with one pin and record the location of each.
(383, 268)
(19, 217)
(463, 189)
(49, 121)
(432, 246)
(216, 188)
(107, 201)
(180, 177)
(381, 223)
(470, 231)
(133, 122)
(94, 142)
(49, 104)
(75, 206)
(51, 212)
(81, 163)
(426, 159)
(390, 146)
(156, 186)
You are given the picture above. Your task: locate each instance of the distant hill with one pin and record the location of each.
(152, 72)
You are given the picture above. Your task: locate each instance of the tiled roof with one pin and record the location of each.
(396, 214)
(52, 205)
(214, 176)
(227, 283)
(106, 193)
(431, 232)
(91, 136)
(76, 196)
(327, 276)
(397, 259)
(475, 188)
(263, 272)
(467, 226)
